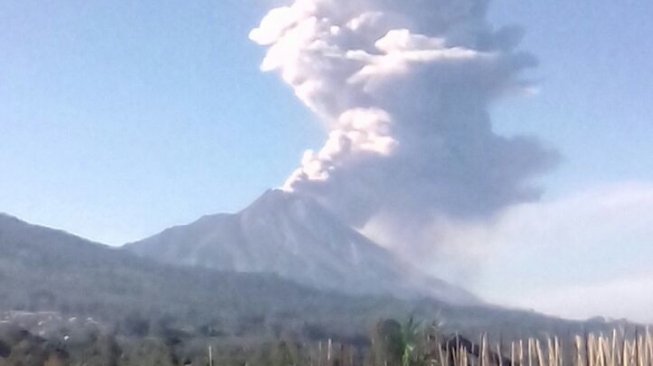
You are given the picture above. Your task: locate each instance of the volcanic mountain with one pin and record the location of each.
(296, 238)
(42, 269)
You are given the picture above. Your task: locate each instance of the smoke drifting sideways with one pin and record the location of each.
(403, 88)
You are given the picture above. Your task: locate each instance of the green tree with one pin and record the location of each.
(396, 344)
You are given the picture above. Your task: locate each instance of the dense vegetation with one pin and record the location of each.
(390, 343)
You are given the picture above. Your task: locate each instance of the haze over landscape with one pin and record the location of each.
(519, 170)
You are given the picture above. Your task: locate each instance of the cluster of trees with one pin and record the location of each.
(389, 343)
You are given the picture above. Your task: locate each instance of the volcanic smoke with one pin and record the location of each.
(403, 89)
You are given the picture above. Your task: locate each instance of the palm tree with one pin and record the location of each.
(410, 334)
(398, 343)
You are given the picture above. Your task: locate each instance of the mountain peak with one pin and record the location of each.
(278, 199)
(289, 209)
(295, 237)
(272, 199)
(273, 195)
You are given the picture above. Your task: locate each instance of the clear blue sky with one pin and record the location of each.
(119, 119)
(595, 87)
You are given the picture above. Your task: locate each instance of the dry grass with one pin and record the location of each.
(589, 350)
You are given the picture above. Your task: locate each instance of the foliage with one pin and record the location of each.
(392, 344)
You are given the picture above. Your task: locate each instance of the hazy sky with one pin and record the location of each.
(119, 119)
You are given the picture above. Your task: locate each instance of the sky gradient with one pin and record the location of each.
(118, 120)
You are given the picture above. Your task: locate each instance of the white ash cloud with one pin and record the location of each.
(565, 256)
(403, 88)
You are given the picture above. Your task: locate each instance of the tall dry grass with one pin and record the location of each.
(588, 350)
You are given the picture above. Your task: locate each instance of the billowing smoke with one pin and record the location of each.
(403, 88)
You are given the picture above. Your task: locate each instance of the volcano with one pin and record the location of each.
(296, 238)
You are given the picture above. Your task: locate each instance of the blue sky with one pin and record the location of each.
(119, 119)
(594, 86)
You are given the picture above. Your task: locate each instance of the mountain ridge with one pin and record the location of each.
(298, 239)
(43, 269)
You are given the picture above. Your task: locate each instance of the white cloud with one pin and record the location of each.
(580, 256)
(411, 156)
(628, 297)
(403, 90)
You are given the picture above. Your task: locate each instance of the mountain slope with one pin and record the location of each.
(296, 238)
(48, 270)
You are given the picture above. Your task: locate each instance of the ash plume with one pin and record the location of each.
(403, 89)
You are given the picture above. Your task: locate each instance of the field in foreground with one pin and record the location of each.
(47, 339)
